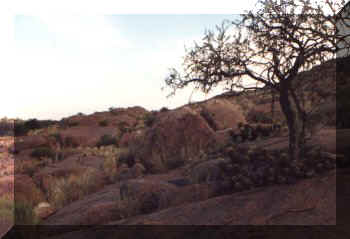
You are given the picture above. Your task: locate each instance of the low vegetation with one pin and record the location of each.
(63, 191)
(103, 123)
(255, 167)
(23, 127)
(6, 209)
(149, 119)
(24, 213)
(42, 152)
(106, 140)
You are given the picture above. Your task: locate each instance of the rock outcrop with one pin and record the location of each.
(176, 137)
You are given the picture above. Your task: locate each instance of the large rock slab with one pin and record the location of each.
(309, 202)
(131, 198)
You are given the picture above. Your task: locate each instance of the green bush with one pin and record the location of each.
(123, 127)
(69, 141)
(42, 152)
(6, 208)
(164, 109)
(24, 214)
(103, 123)
(107, 140)
(150, 119)
(23, 127)
(126, 157)
(255, 116)
(73, 124)
(114, 111)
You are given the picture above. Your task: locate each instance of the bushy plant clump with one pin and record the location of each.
(106, 140)
(24, 213)
(164, 109)
(149, 119)
(23, 127)
(103, 123)
(255, 116)
(251, 168)
(6, 208)
(42, 152)
(64, 191)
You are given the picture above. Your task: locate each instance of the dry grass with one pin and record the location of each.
(109, 167)
(63, 191)
(6, 209)
(28, 167)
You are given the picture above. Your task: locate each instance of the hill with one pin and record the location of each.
(194, 165)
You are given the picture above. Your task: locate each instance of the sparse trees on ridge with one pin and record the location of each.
(269, 46)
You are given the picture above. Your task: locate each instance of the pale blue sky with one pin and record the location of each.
(62, 64)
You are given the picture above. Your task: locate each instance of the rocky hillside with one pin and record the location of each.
(222, 161)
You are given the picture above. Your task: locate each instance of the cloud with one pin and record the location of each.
(84, 32)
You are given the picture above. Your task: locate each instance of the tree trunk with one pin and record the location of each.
(294, 122)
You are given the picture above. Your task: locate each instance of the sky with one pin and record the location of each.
(58, 62)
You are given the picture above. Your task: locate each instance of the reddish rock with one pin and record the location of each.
(43, 210)
(225, 113)
(176, 137)
(130, 198)
(130, 137)
(88, 135)
(30, 142)
(26, 190)
(309, 202)
(116, 117)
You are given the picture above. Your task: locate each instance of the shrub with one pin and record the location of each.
(123, 127)
(255, 167)
(113, 110)
(23, 127)
(255, 116)
(164, 109)
(173, 164)
(64, 191)
(109, 167)
(103, 123)
(72, 124)
(42, 152)
(28, 167)
(6, 208)
(24, 213)
(106, 140)
(150, 119)
(69, 141)
(126, 157)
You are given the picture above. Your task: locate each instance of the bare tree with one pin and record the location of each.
(270, 47)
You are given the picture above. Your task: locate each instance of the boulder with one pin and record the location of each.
(224, 113)
(176, 137)
(43, 210)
